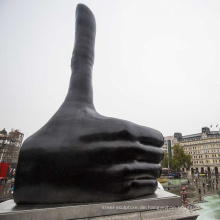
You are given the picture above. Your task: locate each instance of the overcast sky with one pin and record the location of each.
(157, 62)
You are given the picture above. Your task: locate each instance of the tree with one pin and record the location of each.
(165, 161)
(179, 159)
(188, 161)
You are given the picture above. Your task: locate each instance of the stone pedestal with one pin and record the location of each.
(161, 205)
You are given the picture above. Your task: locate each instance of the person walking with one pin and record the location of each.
(200, 196)
(184, 196)
(12, 189)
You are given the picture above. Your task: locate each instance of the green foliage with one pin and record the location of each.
(179, 159)
(165, 161)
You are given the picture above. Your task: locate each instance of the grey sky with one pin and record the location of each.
(157, 62)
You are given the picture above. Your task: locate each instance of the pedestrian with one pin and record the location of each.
(184, 196)
(12, 189)
(200, 197)
(188, 182)
(203, 185)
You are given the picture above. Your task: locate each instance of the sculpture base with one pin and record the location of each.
(169, 206)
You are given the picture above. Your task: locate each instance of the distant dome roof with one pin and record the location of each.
(3, 131)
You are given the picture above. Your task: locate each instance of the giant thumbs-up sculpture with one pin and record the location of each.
(80, 156)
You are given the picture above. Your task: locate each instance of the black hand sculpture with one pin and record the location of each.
(80, 156)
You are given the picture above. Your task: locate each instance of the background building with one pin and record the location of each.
(10, 144)
(168, 143)
(204, 148)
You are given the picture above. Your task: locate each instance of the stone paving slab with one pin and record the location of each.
(113, 210)
(174, 214)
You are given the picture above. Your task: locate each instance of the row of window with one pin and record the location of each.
(204, 152)
(206, 156)
(202, 147)
(200, 156)
(205, 161)
(199, 142)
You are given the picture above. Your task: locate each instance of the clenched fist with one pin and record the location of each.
(80, 156)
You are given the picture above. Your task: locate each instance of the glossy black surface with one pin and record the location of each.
(80, 156)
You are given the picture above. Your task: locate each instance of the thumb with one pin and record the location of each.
(80, 89)
(84, 35)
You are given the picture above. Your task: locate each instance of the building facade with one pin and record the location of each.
(10, 144)
(168, 143)
(204, 148)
